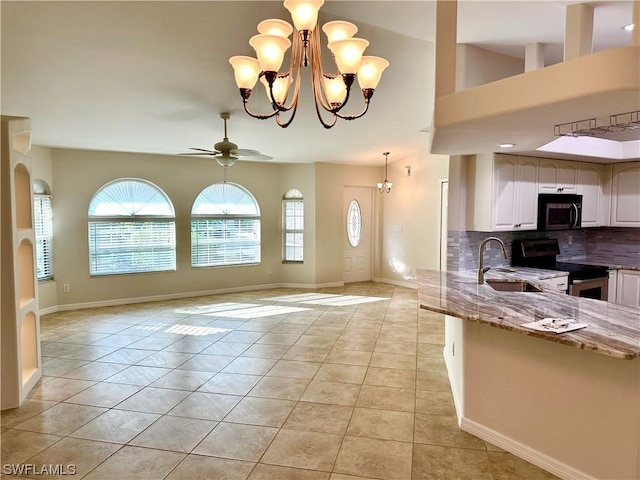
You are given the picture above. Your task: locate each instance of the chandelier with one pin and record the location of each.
(331, 91)
(385, 187)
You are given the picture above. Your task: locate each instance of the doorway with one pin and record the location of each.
(357, 232)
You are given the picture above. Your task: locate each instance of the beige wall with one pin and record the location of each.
(411, 213)
(477, 66)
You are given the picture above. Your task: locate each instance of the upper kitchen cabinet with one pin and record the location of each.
(590, 181)
(504, 193)
(558, 176)
(625, 195)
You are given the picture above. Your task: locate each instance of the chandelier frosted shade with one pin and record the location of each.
(331, 90)
(304, 13)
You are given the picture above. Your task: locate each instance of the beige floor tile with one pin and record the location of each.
(306, 450)
(189, 380)
(127, 356)
(243, 337)
(306, 354)
(116, 341)
(117, 426)
(236, 441)
(435, 403)
(206, 363)
(341, 373)
(84, 455)
(261, 411)
(435, 462)
(28, 408)
(437, 381)
(331, 392)
(505, 466)
(346, 357)
(226, 349)
(138, 375)
(61, 419)
(387, 398)
(250, 366)
(174, 433)
(89, 352)
(230, 383)
(206, 406)
(355, 344)
(278, 387)
(18, 446)
(165, 359)
(95, 371)
(493, 448)
(340, 476)
(273, 472)
(286, 339)
(196, 467)
(432, 364)
(153, 343)
(383, 424)
(58, 349)
(385, 459)
(402, 348)
(266, 351)
(294, 369)
(393, 360)
(326, 331)
(136, 463)
(443, 430)
(390, 377)
(431, 337)
(59, 389)
(316, 341)
(60, 366)
(188, 345)
(153, 400)
(319, 417)
(104, 394)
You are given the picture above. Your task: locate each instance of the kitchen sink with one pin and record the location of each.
(512, 286)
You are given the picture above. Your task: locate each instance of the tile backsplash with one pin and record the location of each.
(619, 246)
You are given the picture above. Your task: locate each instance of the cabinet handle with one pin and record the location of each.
(560, 189)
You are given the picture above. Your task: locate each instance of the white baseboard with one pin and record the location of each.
(397, 283)
(535, 457)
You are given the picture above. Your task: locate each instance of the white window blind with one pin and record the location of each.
(131, 229)
(293, 223)
(225, 227)
(43, 223)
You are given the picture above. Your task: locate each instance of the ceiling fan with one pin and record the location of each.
(227, 153)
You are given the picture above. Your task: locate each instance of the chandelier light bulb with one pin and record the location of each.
(335, 90)
(339, 30)
(246, 71)
(304, 13)
(275, 26)
(270, 50)
(348, 54)
(370, 71)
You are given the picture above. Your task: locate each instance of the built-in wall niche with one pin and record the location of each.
(21, 142)
(26, 279)
(22, 200)
(29, 347)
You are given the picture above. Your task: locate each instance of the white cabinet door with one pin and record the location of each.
(504, 193)
(628, 288)
(527, 194)
(590, 187)
(613, 286)
(625, 195)
(558, 176)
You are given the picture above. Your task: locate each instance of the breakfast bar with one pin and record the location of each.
(567, 402)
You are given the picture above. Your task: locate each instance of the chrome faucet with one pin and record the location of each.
(481, 268)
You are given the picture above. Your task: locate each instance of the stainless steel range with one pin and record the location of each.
(590, 281)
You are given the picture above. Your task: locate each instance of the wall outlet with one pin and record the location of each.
(66, 288)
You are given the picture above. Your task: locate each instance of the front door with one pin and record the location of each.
(357, 228)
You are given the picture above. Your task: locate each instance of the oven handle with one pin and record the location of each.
(574, 223)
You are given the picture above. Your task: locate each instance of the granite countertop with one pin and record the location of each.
(609, 264)
(613, 330)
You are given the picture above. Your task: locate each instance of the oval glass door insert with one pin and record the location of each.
(354, 223)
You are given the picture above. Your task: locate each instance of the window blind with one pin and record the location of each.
(293, 221)
(43, 225)
(225, 241)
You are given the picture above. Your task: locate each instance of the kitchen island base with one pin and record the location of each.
(572, 412)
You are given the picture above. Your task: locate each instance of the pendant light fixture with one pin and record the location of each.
(385, 187)
(330, 90)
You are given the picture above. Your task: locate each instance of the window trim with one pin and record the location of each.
(46, 241)
(292, 196)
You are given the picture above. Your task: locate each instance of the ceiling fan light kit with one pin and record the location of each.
(331, 91)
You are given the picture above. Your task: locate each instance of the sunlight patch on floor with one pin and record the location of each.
(327, 299)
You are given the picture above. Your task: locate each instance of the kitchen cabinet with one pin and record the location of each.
(557, 176)
(560, 284)
(628, 288)
(590, 181)
(505, 193)
(625, 195)
(612, 286)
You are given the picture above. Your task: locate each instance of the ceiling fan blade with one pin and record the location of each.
(257, 156)
(244, 152)
(200, 154)
(204, 150)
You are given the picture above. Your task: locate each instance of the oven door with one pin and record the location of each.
(597, 288)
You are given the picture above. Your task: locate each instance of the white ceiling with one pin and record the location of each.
(154, 76)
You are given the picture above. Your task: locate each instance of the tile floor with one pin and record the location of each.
(340, 384)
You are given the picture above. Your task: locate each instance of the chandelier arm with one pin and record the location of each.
(245, 92)
(325, 124)
(288, 122)
(294, 66)
(317, 75)
(367, 93)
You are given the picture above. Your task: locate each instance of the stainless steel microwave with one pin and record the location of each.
(559, 211)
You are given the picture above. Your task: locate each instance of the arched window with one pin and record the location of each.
(225, 227)
(131, 229)
(43, 227)
(293, 226)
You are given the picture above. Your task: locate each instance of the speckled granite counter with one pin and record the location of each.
(613, 330)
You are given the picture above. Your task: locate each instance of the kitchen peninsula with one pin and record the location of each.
(569, 403)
